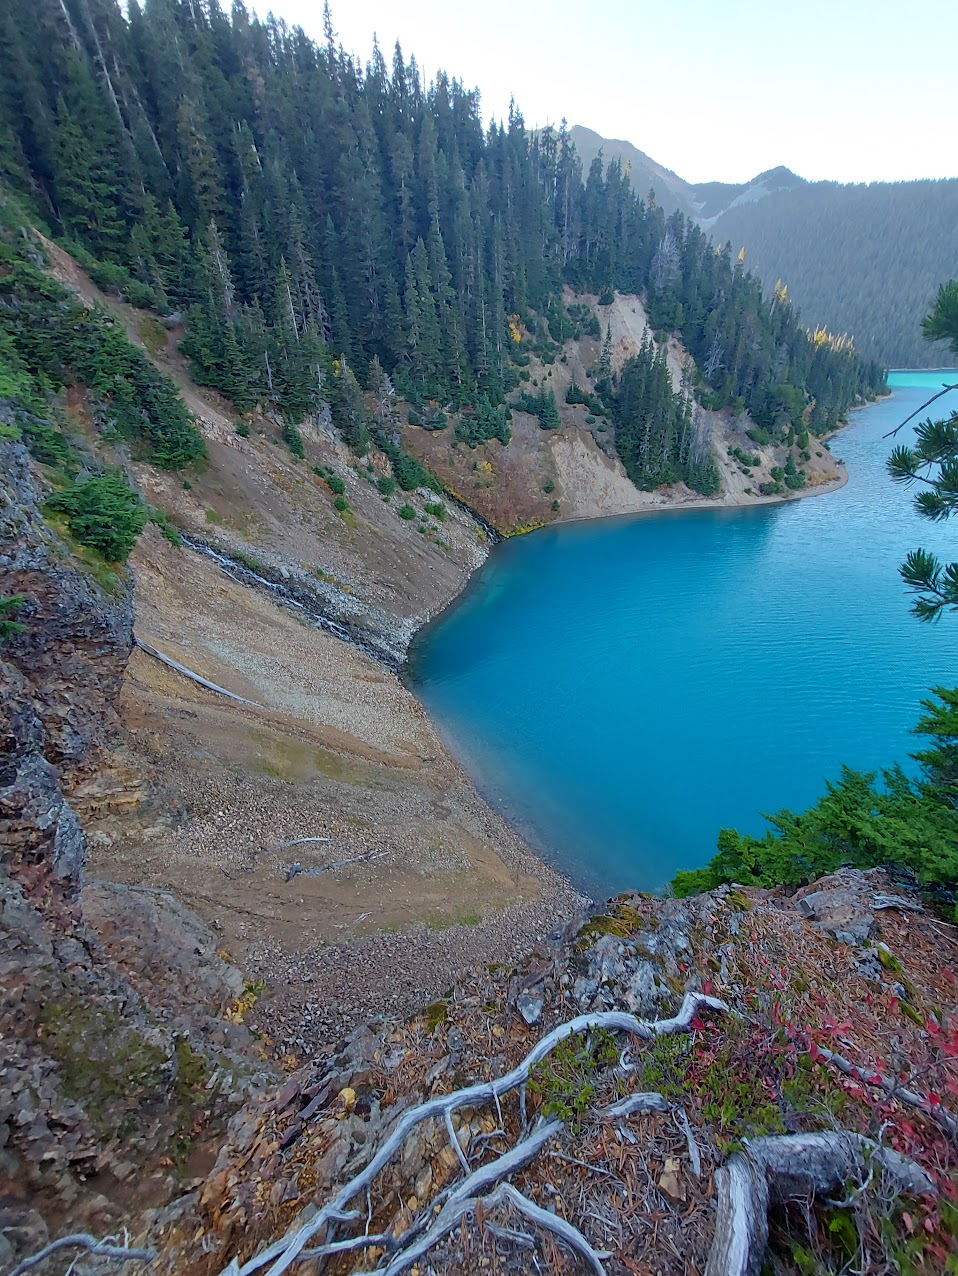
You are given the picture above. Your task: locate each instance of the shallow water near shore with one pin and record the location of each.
(622, 689)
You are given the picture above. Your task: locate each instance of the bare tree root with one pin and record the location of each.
(463, 1199)
(869, 1076)
(646, 1101)
(695, 1156)
(289, 1249)
(82, 1240)
(774, 1169)
(571, 1236)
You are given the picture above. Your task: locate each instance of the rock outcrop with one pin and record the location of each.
(114, 1059)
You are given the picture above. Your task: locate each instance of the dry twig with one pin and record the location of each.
(869, 1076)
(82, 1240)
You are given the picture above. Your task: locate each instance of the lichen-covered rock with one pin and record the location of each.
(845, 904)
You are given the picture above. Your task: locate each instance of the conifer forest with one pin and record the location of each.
(326, 228)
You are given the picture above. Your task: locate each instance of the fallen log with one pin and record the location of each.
(774, 1169)
(189, 673)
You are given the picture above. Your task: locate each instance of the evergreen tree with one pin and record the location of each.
(362, 210)
(86, 183)
(348, 407)
(933, 461)
(103, 513)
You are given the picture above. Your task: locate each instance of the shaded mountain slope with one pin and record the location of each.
(866, 260)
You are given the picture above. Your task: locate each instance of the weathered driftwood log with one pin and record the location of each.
(296, 869)
(189, 673)
(772, 1170)
(297, 841)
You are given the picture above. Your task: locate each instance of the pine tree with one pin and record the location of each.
(398, 227)
(349, 410)
(932, 460)
(86, 188)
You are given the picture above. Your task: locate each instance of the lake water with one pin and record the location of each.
(624, 688)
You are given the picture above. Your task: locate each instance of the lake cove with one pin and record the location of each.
(623, 689)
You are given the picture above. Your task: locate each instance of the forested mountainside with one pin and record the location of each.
(864, 260)
(326, 227)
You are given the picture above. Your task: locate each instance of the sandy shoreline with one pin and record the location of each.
(666, 504)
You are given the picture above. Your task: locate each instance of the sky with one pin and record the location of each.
(717, 90)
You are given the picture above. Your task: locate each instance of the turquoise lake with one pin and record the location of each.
(624, 688)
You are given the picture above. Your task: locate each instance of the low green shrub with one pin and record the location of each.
(102, 513)
(410, 475)
(9, 607)
(293, 440)
(161, 520)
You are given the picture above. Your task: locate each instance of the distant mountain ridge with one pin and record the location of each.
(704, 201)
(862, 259)
(671, 191)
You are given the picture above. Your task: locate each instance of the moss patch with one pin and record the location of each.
(105, 1064)
(152, 333)
(293, 761)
